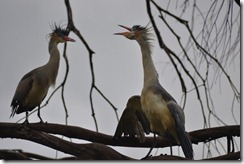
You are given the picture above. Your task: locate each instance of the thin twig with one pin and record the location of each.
(72, 28)
(63, 83)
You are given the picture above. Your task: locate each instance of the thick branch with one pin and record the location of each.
(204, 135)
(229, 156)
(209, 134)
(20, 155)
(84, 151)
(38, 133)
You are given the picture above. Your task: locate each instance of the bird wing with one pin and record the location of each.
(133, 121)
(179, 118)
(21, 92)
(143, 120)
(129, 125)
(134, 102)
(159, 90)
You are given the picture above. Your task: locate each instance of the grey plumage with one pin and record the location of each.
(166, 117)
(133, 122)
(34, 85)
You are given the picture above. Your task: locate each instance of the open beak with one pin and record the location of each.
(124, 33)
(66, 38)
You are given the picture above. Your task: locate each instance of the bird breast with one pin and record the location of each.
(36, 94)
(156, 110)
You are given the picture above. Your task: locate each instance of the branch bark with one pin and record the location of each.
(84, 151)
(42, 133)
(203, 135)
(20, 155)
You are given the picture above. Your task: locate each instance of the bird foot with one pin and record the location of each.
(146, 157)
(42, 122)
(26, 122)
(148, 154)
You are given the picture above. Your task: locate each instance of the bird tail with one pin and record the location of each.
(14, 106)
(12, 113)
(186, 144)
(183, 136)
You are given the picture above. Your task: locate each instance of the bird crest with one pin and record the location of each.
(59, 30)
(146, 34)
(142, 35)
(146, 31)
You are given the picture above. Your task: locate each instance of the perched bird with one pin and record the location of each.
(34, 85)
(166, 117)
(133, 122)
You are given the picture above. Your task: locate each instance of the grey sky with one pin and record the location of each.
(117, 63)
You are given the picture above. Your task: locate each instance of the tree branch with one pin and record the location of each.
(204, 135)
(84, 151)
(71, 27)
(41, 133)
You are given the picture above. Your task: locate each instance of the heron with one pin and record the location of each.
(34, 85)
(166, 117)
(133, 122)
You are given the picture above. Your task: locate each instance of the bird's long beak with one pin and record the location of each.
(68, 39)
(127, 28)
(124, 33)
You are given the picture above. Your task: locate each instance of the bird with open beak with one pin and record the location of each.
(166, 117)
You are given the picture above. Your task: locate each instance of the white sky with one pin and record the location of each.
(117, 63)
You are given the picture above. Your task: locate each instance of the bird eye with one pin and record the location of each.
(137, 27)
(61, 35)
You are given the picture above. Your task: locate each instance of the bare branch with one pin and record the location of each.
(85, 151)
(71, 27)
(204, 135)
(41, 133)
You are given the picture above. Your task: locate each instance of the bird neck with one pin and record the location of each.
(150, 73)
(53, 61)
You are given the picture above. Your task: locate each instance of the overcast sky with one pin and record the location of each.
(117, 63)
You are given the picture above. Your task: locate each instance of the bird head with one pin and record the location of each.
(137, 32)
(60, 35)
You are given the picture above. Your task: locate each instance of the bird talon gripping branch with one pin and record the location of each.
(26, 122)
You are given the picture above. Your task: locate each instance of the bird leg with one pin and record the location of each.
(171, 150)
(38, 114)
(26, 122)
(153, 145)
(171, 141)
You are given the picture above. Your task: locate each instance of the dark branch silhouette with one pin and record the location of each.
(204, 47)
(42, 134)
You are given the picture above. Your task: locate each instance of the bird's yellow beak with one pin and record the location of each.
(68, 39)
(124, 33)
